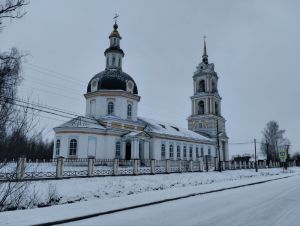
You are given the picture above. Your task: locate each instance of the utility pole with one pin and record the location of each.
(287, 156)
(218, 146)
(255, 155)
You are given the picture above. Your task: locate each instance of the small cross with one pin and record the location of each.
(116, 17)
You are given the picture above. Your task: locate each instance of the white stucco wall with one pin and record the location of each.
(120, 107)
(105, 145)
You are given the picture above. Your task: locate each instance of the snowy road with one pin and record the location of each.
(273, 203)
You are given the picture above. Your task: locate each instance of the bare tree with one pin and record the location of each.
(11, 9)
(273, 140)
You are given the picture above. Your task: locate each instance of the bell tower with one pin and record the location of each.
(206, 118)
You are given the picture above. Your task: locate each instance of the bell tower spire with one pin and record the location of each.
(204, 56)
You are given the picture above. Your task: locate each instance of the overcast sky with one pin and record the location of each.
(253, 44)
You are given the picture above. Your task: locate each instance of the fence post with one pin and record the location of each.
(21, 168)
(60, 167)
(245, 165)
(180, 165)
(91, 163)
(234, 164)
(191, 166)
(168, 169)
(240, 165)
(135, 167)
(152, 166)
(116, 167)
(216, 164)
(206, 162)
(199, 164)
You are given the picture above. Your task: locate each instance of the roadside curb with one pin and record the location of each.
(156, 202)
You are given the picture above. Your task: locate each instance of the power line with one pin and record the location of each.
(54, 72)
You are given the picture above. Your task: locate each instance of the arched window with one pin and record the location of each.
(191, 152)
(202, 152)
(118, 149)
(201, 107)
(106, 61)
(110, 108)
(201, 87)
(178, 152)
(113, 60)
(120, 62)
(216, 108)
(57, 147)
(184, 151)
(213, 86)
(171, 151)
(129, 110)
(163, 151)
(73, 147)
(197, 152)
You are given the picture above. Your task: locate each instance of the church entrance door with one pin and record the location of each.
(128, 151)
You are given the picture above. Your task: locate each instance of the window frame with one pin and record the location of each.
(171, 151)
(118, 149)
(163, 151)
(57, 146)
(71, 148)
(110, 110)
(178, 151)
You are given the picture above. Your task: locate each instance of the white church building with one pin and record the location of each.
(111, 127)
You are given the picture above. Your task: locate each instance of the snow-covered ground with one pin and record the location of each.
(110, 193)
(54, 192)
(276, 203)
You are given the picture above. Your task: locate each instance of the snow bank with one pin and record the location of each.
(54, 192)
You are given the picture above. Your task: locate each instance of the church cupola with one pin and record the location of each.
(114, 53)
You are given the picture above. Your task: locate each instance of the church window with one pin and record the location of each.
(129, 110)
(201, 107)
(120, 62)
(178, 152)
(197, 152)
(118, 149)
(171, 151)
(202, 152)
(113, 60)
(106, 61)
(73, 147)
(93, 107)
(191, 152)
(201, 87)
(110, 108)
(57, 147)
(214, 86)
(163, 151)
(184, 151)
(216, 108)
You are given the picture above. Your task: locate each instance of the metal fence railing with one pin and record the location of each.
(83, 167)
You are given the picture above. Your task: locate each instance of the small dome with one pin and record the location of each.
(113, 79)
